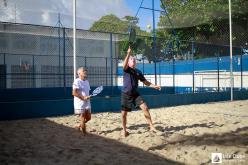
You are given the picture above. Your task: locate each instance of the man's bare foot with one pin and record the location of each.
(153, 129)
(84, 133)
(83, 129)
(77, 127)
(126, 134)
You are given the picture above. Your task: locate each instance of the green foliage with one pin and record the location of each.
(113, 24)
(109, 23)
(206, 20)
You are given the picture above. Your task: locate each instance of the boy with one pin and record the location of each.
(130, 94)
(80, 91)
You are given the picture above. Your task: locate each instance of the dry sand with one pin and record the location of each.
(188, 135)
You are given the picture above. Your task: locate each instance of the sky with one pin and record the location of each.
(46, 12)
(145, 16)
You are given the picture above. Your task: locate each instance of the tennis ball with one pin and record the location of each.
(148, 26)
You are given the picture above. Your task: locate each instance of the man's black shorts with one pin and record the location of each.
(129, 101)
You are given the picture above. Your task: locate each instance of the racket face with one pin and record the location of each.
(97, 91)
(132, 35)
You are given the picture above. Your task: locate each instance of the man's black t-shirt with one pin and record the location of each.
(130, 80)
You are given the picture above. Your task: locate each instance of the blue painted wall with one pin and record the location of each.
(32, 94)
(186, 66)
(41, 102)
(44, 108)
(32, 109)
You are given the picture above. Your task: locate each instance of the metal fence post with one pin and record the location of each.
(33, 72)
(143, 68)
(5, 73)
(111, 62)
(154, 41)
(64, 62)
(4, 60)
(193, 67)
(59, 57)
(241, 69)
(106, 68)
(173, 71)
(218, 71)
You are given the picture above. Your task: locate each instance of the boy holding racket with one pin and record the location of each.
(80, 91)
(130, 94)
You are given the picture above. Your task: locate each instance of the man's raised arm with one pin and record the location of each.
(125, 63)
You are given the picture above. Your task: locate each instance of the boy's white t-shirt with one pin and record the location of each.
(83, 87)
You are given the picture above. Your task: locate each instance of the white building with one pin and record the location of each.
(35, 56)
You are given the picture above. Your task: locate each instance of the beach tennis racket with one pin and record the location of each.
(131, 36)
(97, 91)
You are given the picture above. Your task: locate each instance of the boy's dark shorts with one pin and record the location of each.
(129, 101)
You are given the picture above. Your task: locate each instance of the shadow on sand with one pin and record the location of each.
(183, 127)
(238, 137)
(40, 141)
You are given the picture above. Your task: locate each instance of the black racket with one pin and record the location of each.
(131, 36)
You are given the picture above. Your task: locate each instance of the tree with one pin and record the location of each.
(113, 24)
(109, 23)
(135, 20)
(205, 20)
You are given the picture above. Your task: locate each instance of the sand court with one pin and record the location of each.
(187, 134)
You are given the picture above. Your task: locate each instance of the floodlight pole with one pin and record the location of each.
(230, 36)
(154, 42)
(74, 39)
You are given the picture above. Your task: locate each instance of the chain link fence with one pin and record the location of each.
(41, 57)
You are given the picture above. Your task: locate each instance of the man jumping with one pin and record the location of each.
(130, 95)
